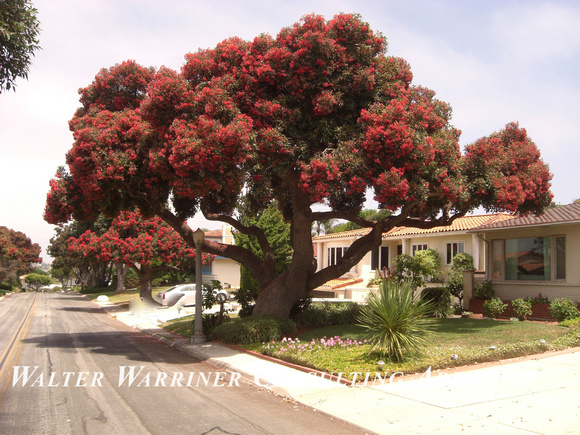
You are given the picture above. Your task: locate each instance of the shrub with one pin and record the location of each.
(441, 298)
(396, 320)
(538, 299)
(420, 268)
(460, 263)
(522, 308)
(563, 309)
(255, 329)
(494, 307)
(212, 321)
(340, 313)
(571, 323)
(483, 291)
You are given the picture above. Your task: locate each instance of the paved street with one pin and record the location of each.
(69, 368)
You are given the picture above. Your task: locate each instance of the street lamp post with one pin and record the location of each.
(198, 337)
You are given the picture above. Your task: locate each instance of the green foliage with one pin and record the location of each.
(368, 214)
(19, 29)
(300, 306)
(395, 319)
(494, 307)
(483, 291)
(36, 280)
(571, 323)
(441, 299)
(538, 299)
(522, 308)
(420, 268)
(255, 329)
(563, 309)
(212, 321)
(460, 263)
(277, 232)
(329, 313)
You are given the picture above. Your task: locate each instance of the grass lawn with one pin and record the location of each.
(182, 326)
(471, 340)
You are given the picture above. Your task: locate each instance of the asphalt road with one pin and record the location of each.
(68, 368)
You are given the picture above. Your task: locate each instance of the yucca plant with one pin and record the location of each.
(396, 319)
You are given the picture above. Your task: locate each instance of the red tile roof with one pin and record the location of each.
(563, 214)
(341, 282)
(460, 224)
(214, 234)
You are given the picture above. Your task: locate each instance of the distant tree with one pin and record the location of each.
(88, 271)
(277, 231)
(19, 29)
(36, 280)
(17, 254)
(61, 274)
(323, 227)
(367, 214)
(317, 114)
(147, 245)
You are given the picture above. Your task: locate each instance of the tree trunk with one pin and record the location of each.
(145, 288)
(278, 297)
(122, 270)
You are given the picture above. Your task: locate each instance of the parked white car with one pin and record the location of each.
(173, 294)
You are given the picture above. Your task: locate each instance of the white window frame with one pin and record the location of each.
(460, 250)
(332, 256)
(423, 246)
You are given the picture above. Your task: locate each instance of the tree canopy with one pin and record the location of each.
(317, 114)
(146, 245)
(17, 254)
(19, 29)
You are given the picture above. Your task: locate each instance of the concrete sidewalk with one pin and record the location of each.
(529, 395)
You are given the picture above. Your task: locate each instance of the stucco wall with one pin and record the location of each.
(226, 271)
(568, 288)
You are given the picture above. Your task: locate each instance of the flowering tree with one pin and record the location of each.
(17, 254)
(88, 270)
(146, 245)
(318, 114)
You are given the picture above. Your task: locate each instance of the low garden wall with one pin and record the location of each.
(539, 311)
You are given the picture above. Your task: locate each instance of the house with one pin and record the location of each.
(448, 241)
(226, 270)
(533, 254)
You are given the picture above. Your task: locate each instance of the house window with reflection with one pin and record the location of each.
(529, 259)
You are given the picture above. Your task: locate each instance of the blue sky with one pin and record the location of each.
(493, 61)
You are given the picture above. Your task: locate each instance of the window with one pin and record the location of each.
(453, 249)
(335, 254)
(380, 258)
(207, 269)
(418, 247)
(529, 259)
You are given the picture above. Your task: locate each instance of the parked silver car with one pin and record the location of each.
(173, 294)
